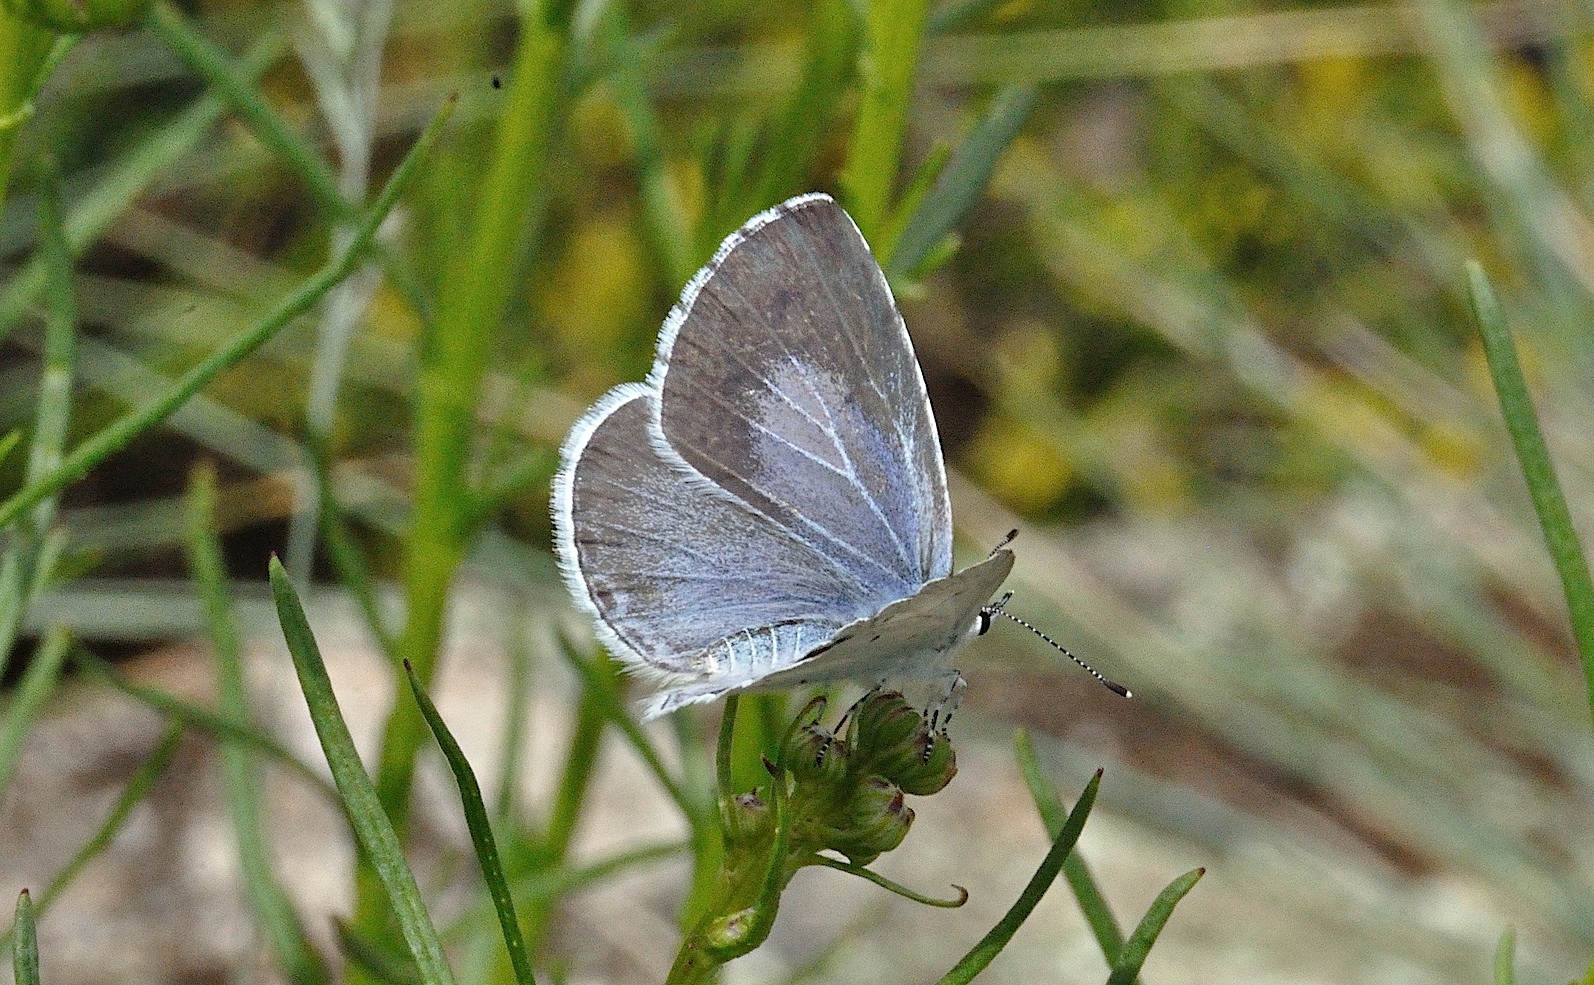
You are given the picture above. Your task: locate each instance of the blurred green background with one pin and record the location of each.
(1187, 284)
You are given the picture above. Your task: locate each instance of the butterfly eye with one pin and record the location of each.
(985, 622)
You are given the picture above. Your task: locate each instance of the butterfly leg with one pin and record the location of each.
(842, 725)
(939, 712)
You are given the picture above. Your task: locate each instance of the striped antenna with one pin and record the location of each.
(1000, 609)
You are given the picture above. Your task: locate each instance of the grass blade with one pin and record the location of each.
(36, 685)
(963, 179)
(281, 926)
(29, 557)
(1549, 502)
(1127, 967)
(1505, 954)
(25, 943)
(117, 436)
(992, 943)
(1109, 936)
(371, 826)
(481, 830)
(893, 32)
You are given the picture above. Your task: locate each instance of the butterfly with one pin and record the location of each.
(769, 507)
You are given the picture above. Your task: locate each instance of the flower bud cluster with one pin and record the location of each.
(847, 793)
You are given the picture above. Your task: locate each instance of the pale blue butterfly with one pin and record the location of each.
(769, 507)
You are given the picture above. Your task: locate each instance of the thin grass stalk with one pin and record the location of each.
(241, 93)
(481, 832)
(347, 82)
(240, 779)
(36, 684)
(454, 359)
(29, 557)
(26, 60)
(893, 31)
(1549, 502)
(1092, 903)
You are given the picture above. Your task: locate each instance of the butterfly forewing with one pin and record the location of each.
(789, 381)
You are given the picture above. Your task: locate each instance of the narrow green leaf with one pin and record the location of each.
(365, 812)
(1505, 954)
(963, 179)
(37, 682)
(992, 943)
(1548, 499)
(25, 942)
(481, 831)
(113, 438)
(1127, 967)
(797, 131)
(1109, 937)
(281, 927)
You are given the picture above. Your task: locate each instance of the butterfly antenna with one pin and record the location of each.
(1004, 542)
(1000, 609)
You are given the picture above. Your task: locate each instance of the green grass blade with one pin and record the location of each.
(963, 179)
(115, 437)
(481, 831)
(25, 942)
(1548, 499)
(1127, 967)
(30, 557)
(1505, 954)
(476, 287)
(371, 826)
(1109, 936)
(992, 943)
(281, 927)
(36, 685)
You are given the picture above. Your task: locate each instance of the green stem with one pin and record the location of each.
(454, 359)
